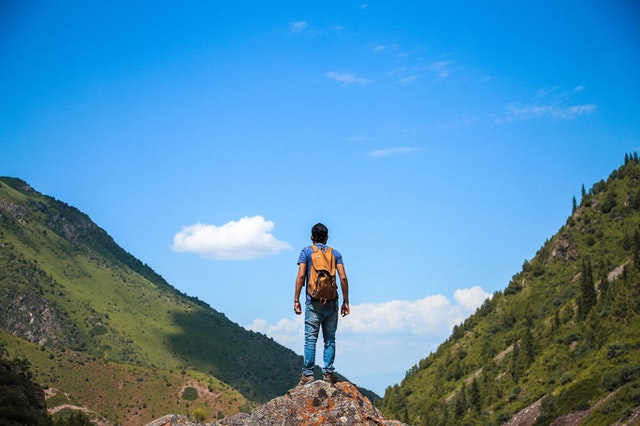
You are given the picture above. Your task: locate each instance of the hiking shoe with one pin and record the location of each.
(305, 379)
(329, 377)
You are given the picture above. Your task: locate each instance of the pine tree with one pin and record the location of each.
(528, 352)
(475, 397)
(587, 298)
(515, 362)
(635, 249)
(461, 403)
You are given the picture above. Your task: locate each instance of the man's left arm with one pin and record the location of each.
(344, 285)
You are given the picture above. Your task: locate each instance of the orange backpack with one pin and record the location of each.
(322, 277)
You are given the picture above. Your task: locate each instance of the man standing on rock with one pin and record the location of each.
(319, 312)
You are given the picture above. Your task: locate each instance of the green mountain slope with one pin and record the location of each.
(66, 286)
(563, 337)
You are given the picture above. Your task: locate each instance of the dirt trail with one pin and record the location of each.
(73, 407)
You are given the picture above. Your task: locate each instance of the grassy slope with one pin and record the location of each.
(117, 310)
(529, 342)
(123, 394)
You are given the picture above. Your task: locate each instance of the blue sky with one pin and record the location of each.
(441, 142)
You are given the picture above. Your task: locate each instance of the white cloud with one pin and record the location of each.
(531, 112)
(417, 318)
(409, 79)
(440, 68)
(553, 103)
(347, 79)
(378, 342)
(410, 74)
(387, 152)
(470, 298)
(288, 332)
(299, 26)
(573, 111)
(248, 238)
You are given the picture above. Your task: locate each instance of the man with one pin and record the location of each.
(319, 313)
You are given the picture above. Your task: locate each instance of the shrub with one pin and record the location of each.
(98, 330)
(199, 415)
(617, 349)
(190, 394)
(566, 377)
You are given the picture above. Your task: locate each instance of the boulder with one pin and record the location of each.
(314, 404)
(317, 403)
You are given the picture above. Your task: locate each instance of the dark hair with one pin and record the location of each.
(319, 233)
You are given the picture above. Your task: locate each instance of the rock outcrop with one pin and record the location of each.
(317, 403)
(22, 401)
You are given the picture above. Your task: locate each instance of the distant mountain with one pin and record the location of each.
(106, 334)
(561, 344)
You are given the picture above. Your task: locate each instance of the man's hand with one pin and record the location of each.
(344, 310)
(297, 308)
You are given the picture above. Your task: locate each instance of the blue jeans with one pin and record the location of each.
(317, 315)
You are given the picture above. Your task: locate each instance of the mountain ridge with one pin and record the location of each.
(66, 286)
(560, 343)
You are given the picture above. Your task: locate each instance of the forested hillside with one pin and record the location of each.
(563, 337)
(104, 332)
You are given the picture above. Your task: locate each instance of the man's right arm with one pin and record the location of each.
(302, 274)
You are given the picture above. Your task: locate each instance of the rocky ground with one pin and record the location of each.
(317, 403)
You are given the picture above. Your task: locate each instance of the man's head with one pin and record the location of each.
(319, 233)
